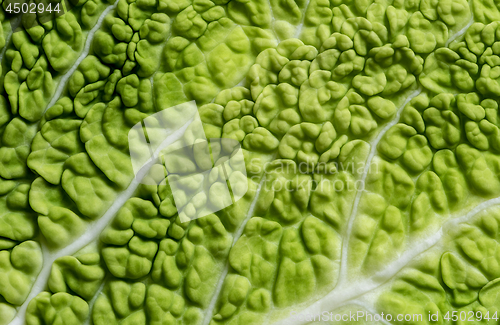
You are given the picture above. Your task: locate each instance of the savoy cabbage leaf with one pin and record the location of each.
(368, 146)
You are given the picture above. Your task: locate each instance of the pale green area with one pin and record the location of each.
(460, 276)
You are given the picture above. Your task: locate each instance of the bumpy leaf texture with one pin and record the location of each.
(370, 132)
